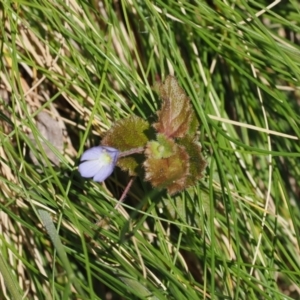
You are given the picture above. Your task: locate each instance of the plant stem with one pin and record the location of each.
(131, 151)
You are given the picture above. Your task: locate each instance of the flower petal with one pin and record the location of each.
(89, 168)
(104, 173)
(92, 153)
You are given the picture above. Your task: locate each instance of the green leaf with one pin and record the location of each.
(126, 134)
(162, 148)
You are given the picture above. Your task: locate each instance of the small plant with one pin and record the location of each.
(171, 158)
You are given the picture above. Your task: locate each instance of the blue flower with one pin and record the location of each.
(98, 162)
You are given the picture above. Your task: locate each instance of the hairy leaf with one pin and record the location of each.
(167, 172)
(162, 148)
(196, 160)
(176, 113)
(126, 134)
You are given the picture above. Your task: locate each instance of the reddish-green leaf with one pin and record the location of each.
(166, 172)
(196, 160)
(176, 112)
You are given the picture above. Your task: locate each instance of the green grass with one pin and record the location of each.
(233, 236)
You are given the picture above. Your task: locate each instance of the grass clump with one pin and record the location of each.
(70, 71)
